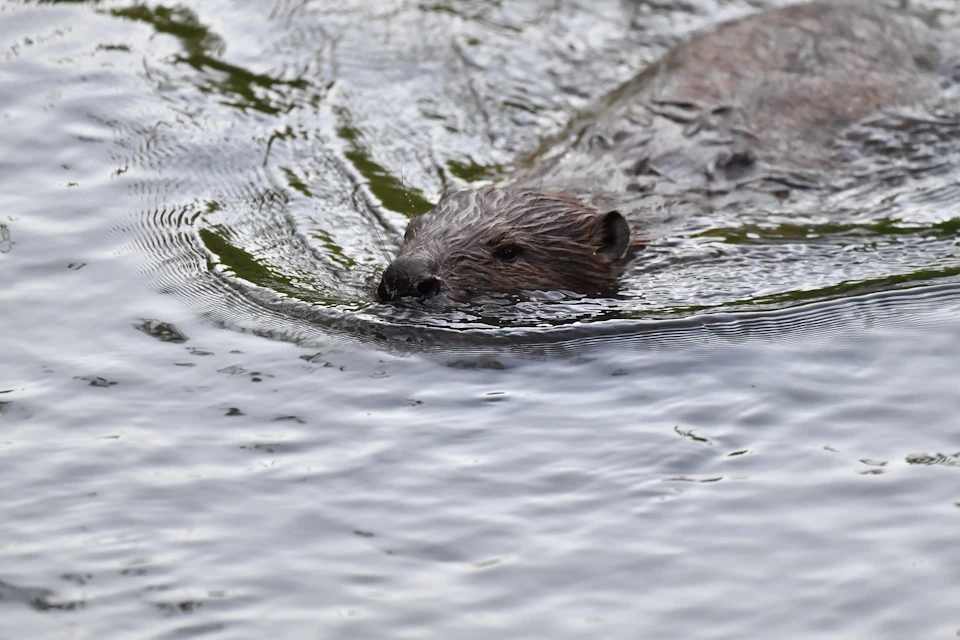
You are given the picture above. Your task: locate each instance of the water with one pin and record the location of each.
(207, 429)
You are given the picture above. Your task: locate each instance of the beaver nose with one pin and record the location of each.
(408, 276)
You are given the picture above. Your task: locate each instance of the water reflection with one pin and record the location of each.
(277, 173)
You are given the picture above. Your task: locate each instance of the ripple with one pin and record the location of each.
(36, 598)
(271, 187)
(786, 375)
(6, 242)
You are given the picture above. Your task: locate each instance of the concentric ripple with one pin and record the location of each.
(272, 173)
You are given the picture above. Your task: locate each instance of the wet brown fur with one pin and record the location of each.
(561, 244)
(755, 101)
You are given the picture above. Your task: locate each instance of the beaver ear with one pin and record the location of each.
(613, 233)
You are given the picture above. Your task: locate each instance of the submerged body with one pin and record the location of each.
(749, 109)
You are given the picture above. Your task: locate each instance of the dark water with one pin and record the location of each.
(207, 429)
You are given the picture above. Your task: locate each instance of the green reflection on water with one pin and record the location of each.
(334, 251)
(295, 183)
(202, 48)
(859, 287)
(392, 193)
(758, 234)
(787, 299)
(242, 264)
(471, 171)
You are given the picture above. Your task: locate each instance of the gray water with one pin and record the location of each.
(209, 430)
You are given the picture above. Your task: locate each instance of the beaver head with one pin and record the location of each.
(508, 241)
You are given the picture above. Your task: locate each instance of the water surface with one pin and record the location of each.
(208, 429)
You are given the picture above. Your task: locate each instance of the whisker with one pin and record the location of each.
(361, 205)
(365, 208)
(403, 185)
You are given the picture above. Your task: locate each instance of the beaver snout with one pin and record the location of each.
(408, 276)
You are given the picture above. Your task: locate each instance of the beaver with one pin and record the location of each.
(749, 109)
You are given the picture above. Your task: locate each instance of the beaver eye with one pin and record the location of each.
(508, 253)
